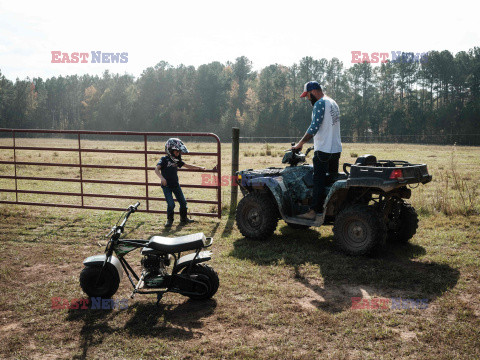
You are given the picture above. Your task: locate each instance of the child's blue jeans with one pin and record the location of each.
(168, 192)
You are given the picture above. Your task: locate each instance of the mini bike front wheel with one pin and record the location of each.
(104, 286)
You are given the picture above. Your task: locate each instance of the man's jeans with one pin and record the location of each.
(322, 163)
(168, 192)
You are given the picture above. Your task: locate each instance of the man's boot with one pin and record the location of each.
(169, 222)
(183, 217)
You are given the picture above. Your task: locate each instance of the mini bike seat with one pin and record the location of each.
(177, 244)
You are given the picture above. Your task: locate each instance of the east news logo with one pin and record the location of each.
(97, 57)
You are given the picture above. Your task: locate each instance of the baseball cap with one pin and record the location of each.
(309, 86)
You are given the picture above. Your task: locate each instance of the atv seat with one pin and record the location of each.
(332, 178)
(177, 244)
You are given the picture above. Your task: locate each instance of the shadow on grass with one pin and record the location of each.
(132, 230)
(229, 225)
(150, 320)
(391, 272)
(173, 322)
(172, 231)
(54, 231)
(94, 329)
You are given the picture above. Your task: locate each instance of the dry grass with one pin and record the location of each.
(287, 298)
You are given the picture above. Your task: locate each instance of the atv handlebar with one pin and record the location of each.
(308, 150)
(295, 156)
(297, 151)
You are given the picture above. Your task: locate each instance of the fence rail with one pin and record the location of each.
(81, 165)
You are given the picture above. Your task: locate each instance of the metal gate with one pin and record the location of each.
(15, 134)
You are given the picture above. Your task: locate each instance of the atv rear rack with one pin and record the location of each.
(387, 174)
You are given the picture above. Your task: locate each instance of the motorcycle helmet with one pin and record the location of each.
(175, 144)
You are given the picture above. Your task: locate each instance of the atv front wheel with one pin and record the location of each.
(256, 216)
(359, 229)
(105, 286)
(405, 223)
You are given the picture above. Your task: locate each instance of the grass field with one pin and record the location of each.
(287, 298)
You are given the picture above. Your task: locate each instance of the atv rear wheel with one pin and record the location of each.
(256, 216)
(358, 229)
(405, 223)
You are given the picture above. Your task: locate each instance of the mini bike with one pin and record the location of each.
(187, 275)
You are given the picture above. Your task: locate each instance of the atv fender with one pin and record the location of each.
(98, 260)
(337, 187)
(277, 189)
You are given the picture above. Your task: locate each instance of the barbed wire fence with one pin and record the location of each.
(431, 139)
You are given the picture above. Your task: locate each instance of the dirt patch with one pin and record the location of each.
(408, 336)
(40, 272)
(311, 301)
(10, 327)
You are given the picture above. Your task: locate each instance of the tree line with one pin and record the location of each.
(440, 96)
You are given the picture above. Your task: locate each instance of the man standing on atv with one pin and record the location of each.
(325, 131)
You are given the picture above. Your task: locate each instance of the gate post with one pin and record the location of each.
(234, 187)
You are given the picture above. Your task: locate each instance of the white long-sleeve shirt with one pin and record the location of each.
(325, 126)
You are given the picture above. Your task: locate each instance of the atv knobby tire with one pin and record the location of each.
(256, 216)
(406, 224)
(358, 229)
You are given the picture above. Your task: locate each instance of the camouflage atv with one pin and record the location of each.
(365, 205)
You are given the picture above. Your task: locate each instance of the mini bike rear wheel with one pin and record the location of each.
(207, 276)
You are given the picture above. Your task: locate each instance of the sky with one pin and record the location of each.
(199, 32)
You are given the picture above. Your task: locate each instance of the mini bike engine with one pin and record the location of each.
(155, 269)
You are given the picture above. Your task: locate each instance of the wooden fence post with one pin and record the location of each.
(234, 187)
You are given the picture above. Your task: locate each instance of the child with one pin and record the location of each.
(166, 170)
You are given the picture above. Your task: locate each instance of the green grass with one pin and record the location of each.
(286, 298)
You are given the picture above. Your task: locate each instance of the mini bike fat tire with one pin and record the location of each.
(106, 286)
(208, 277)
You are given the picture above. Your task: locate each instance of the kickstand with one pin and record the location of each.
(159, 298)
